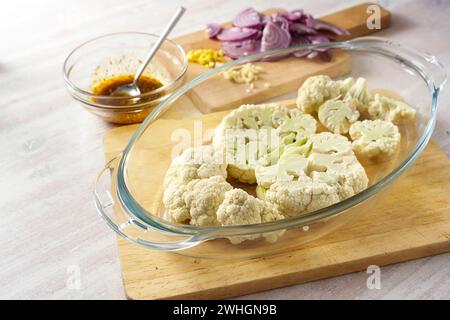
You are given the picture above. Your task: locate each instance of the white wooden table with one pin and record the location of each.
(52, 149)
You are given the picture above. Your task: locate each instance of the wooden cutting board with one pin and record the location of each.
(207, 100)
(411, 221)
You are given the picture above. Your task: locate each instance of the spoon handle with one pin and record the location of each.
(158, 43)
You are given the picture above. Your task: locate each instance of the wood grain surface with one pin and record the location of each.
(52, 148)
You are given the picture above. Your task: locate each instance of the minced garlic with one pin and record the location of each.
(207, 57)
(247, 73)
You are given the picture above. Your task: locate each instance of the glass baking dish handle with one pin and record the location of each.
(428, 66)
(129, 227)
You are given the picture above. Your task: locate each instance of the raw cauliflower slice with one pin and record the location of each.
(337, 115)
(303, 195)
(325, 189)
(389, 109)
(373, 138)
(195, 163)
(296, 127)
(247, 134)
(330, 143)
(346, 169)
(251, 132)
(256, 116)
(271, 213)
(244, 147)
(315, 91)
(289, 167)
(291, 197)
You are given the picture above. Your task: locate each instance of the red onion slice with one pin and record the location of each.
(253, 32)
(316, 39)
(274, 37)
(213, 29)
(249, 18)
(301, 29)
(236, 50)
(294, 15)
(302, 53)
(236, 34)
(325, 26)
(281, 21)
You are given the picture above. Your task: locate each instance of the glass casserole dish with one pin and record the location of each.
(128, 192)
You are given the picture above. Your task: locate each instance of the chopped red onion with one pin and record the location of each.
(237, 34)
(213, 29)
(237, 50)
(249, 18)
(301, 29)
(279, 30)
(274, 37)
(325, 26)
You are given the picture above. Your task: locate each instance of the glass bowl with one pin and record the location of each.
(128, 192)
(120, 54)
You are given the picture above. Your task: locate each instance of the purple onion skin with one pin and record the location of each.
(295, 15)
(324, 26)
(213, 29)
(301, 29)
(248, 18)
(281, 21)
(301, 53)
(236, 50)
(254, 32)
(237, 34)
(274, 37)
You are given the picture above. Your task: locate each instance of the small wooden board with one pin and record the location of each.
(207, 100)
(411, 221)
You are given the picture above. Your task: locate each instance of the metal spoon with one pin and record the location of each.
(132, 89)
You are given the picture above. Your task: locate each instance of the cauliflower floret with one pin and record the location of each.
(345, 85)
(203, 197)
(315, 91)
(388, 109)
(327, 142)
(176, 210)
(358, 91)
(252, 132)
(324, 191)
(373, 138)
(346, 169)
(195, 163)
(240, 208)
(243, 149)
(297, 126)
(271, 213)
(291, 197)
(302, 195)
(289, 167)
(338, 115)
(195, 202)
(254, 116)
